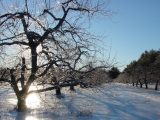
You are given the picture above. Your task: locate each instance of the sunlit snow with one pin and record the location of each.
(110, 102)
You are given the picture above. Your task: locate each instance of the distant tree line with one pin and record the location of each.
(113, 72)
(144, 71)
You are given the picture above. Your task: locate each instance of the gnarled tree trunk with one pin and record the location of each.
(21, 104)
(58, 91)
(156, 86)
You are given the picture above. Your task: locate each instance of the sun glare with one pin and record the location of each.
(33, 101)
(30, 118)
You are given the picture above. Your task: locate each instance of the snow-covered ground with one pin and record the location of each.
(110, 102)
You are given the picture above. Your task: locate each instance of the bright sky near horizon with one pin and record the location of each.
(134, 28)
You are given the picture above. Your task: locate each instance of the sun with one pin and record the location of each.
(33, 101)
(30, 118)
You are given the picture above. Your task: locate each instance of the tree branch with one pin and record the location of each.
(14, 43)
(5, 80)
(65, 84)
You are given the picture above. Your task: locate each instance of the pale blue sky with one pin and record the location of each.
(134, 28)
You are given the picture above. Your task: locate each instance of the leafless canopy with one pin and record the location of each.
(47, 39)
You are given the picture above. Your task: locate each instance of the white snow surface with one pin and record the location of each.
(109, 102)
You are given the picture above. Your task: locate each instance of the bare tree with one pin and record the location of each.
(43, 37)
(156, 70)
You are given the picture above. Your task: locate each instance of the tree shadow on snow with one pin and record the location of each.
(119, 108)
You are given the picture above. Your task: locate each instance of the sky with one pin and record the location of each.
(133, 27)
